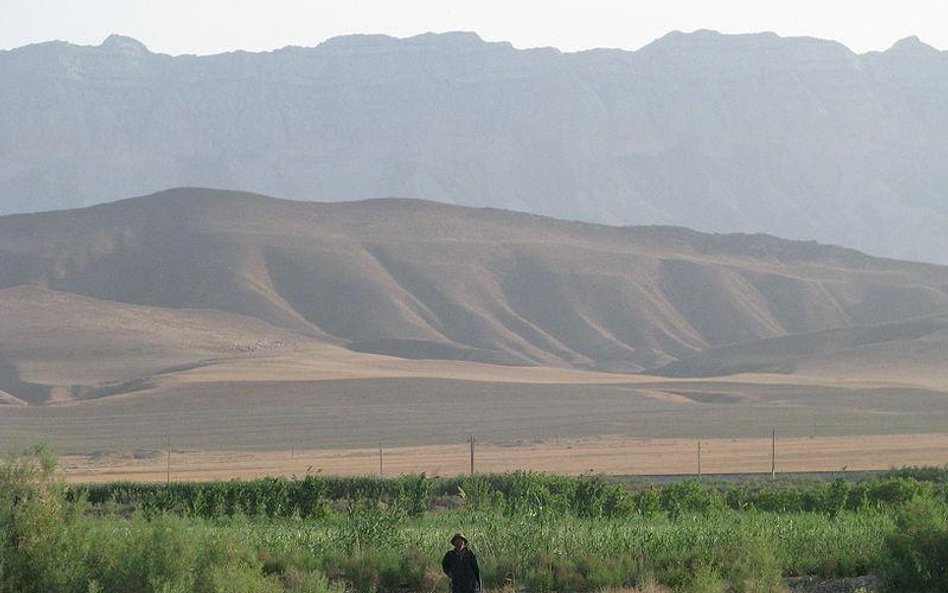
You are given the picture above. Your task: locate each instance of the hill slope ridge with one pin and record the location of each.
(414, 279)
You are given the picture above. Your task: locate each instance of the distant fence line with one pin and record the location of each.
(618, 456)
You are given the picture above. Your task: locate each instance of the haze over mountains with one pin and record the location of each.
(795, 137)
(103, 300)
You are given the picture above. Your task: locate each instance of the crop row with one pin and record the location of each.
(515, 493)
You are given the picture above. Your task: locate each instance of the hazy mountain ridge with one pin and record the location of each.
(423, 280)
(795, 137)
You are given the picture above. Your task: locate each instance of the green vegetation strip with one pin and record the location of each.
(532, 532)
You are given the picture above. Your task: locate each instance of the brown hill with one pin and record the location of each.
(422, 280)
(58, 346)
(888, 352)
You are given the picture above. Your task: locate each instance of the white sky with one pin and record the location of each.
(212, 26)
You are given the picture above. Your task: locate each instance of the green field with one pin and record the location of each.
(532, 532)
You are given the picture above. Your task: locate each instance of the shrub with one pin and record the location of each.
(835, 498)
(593, 497)
(414, 494)
(477, 494)
(374, 570)
(42, 544)
(371, 525)
(538, 575)
(648, 501)
(689, 496)
(918, 549)
(750, 567)
(704, 579)
(309, 582)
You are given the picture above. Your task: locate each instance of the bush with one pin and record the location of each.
(704, 579)
(750, 567)
(373, 570)
(934, 474)
(918, 549)
(537, 575)
(49, 544)
(689, 496)
(414, 494)
(42, 544)
(371, 525)
(309, 582)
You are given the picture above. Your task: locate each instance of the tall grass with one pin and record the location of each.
(550, 551)
(532, 532)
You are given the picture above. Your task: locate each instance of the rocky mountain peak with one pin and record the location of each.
(125, 45)
(362, 42)
(912, 46)
(710, 39)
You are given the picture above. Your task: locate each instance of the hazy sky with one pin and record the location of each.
(211, 26)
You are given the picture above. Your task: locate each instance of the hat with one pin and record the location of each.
(457, 536)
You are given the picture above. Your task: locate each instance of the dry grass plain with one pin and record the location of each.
(600, 455)
(330, 413)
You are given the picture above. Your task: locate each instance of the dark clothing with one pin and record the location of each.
(463, 570)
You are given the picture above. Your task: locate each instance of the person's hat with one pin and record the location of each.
(458, 536)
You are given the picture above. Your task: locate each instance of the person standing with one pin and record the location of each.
(460, 564)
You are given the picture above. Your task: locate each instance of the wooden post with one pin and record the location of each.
(168, 476)
(472, 454)
(380, 460)
(773, 454)
(699, 459)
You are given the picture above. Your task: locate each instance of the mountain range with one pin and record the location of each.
(795, 137)
(109, 299)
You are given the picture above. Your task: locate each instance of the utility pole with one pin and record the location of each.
(699, 459)
(472, 454)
